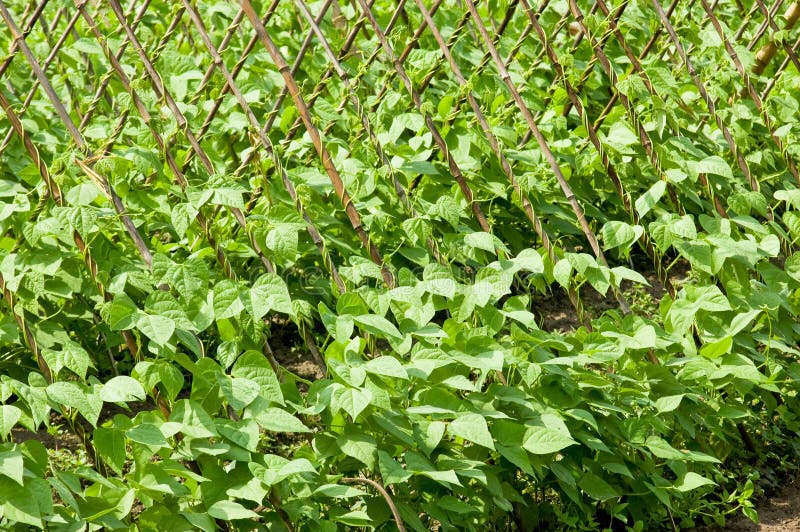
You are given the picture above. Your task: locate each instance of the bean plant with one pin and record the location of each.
(363, 264)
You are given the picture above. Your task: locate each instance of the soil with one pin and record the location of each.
(63, 439)
(777, 514)
(555, 313)
(291, 354)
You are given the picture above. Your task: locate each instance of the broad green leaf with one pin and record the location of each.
(12, 466)
(692, 480)
(338, 491)
(253, 365)
(472, 427)
(19, 504)
(649, 199)
(662, 449)
(278, 420)
(479, 240)
(230, 511)
(544, 440)
(387, 366)
(123, 314)
(597, 488)
(121, 389)
(621, 137)
(157, 328)
(9, 416)
(148, 434)
(227, 303)
(351, 400)
(238, 391)
(718, 348)
(714, 165)
(268, 293)
(76, 359)
(110, 443)
(620, 234)
(377, 325)
(282, 241)
(668, 403)
(362, 447)
(75, 396)
(196, 422)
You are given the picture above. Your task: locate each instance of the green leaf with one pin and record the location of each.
(148, 434)
(362, 447)
(620, 234)
(544, 440)
(226, 300)
(351, 400)
(238, 391)
(649, 199)
(621, 137)
(378, 325)
(387, 366)
(74, 396)
(714, 165)
(19, 504)
(268, 293)
(71, 356)
(253, 365)
(337, 491)
(472, 427)
(9, 416)
(597, 488)
(718, 348)
(662, 449)
(692, 481)
(230, 510)
(282, 241)
(278, 420)
(157, 328)
(668, 403)
(196, 422)
(121, 389)
(123, 314)
(480, 240)
(110, 443)
(12, 465)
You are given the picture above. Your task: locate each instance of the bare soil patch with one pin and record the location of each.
(779, 513)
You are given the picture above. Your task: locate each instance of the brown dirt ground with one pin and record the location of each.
(780, 513)
(555, 313)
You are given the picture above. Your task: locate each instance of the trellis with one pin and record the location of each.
(65, 23)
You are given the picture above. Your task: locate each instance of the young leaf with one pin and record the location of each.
(544, 440)
(472, 427)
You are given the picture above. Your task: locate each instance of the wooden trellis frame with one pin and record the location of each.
(367, 34)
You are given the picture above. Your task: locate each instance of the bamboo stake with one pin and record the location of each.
(765, 54)
(645, 51)
(437, 137)
(752, 91)
(101, 89)
(494, 143)
(770, 19)
(647, 244)
(356, 102)
(545, 148)
(219, 64)
(55, 193)
(25, 32)
(47, 62)
(704, 94)
(327, 162)
(781, 68)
